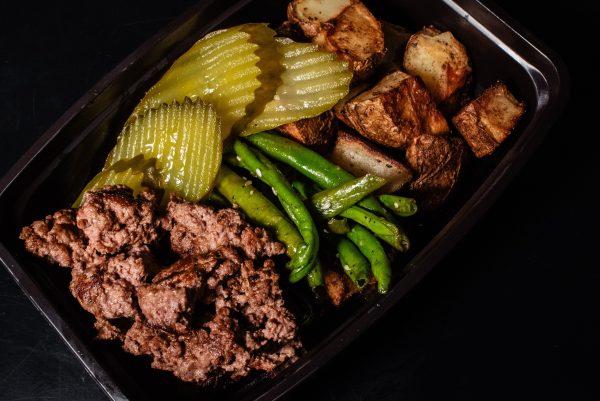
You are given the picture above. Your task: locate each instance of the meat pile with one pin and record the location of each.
(217, 311)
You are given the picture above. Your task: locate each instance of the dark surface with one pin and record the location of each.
(511, 313)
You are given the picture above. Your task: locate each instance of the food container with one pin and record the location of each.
(50, 175)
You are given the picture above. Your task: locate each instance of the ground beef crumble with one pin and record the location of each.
(217, 311)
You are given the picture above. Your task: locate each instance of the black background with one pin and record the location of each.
(511, 314)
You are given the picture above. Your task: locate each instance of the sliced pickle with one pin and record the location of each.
(184, 139)
(134, 173)
(313, 82)
(228, 69)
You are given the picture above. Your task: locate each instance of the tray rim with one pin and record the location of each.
(453, 232)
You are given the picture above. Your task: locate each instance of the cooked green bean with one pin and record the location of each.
(216, 199)
(309, 163)
(338, 226)
(389, 232)
(315, 276)
(263, 169)
(355, 265)
(399, 205)
(374, 252)
(333, 201)
(259, 210)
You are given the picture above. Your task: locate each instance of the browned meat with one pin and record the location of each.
(169, 301)
(218, 311)
(55, 238)
(317, 130)
(135, 267)
(345, 27)
(395, 111)
(438, 161)
(251, 328)
(105, 287)
(107, 331)
(103, 294)
(339, 287)
(197, 229)
(113, 220)
(488, 120)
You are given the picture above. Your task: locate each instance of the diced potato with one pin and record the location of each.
(317, 130)
(359, 158)
(440, 61)
(488, 120)
(393, 112)
(345, 27)
(338, 286)
(438, 162)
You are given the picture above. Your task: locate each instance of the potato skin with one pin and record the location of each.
(315, 131)
(359, 158)
(345, 27)
(489, 119)
(440, 61)
(394, 111)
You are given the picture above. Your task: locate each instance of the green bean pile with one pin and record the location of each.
(333, 202)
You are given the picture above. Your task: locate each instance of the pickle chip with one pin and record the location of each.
(226, 68)
(184, 141)
(312, 82)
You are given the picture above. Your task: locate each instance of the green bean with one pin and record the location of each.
(263, 169)
(355, 265)
(315, 276)
(300, 187)
(309, 163)
(338, 226)
(333, 201)
(374, 252)
(259, 209)
(381, 227)
(389, 232)
(399, 205)
(216, 199)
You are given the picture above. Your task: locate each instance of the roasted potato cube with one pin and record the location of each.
(345, 27)
(393, 112)
(438, 162)
(313, 131)
(359, 158)
(488, 120)
(439, 60)
(338, 286)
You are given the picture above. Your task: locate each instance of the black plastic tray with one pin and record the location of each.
(55, 169)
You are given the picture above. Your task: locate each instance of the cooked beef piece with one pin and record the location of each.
(196, 356)
(338, 286)
(169, 301)
(106, 288)
(197, 229)
(114, 220)
(438, 161)
(345, 27)
(55, 238)
(318, 130)
(107, 331)
(103, 294)
(488, 120)
(394, 111)
(135, 267)
(256, 292)
(218, 311)
(440, 61)
(251, 328)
